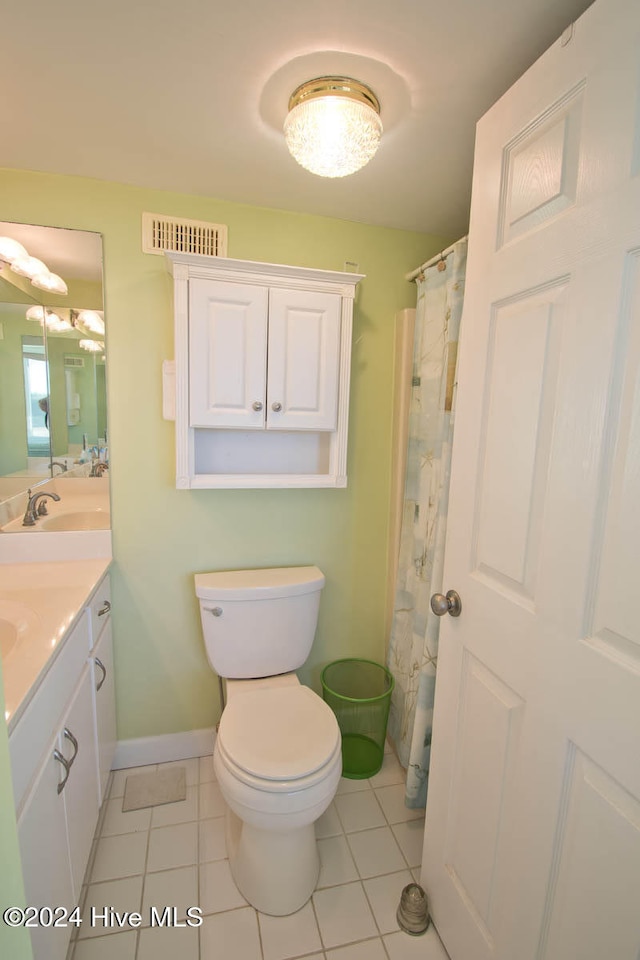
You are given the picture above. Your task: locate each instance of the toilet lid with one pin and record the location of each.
(279, 733)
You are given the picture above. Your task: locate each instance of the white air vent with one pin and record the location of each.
(74, 361)
(161, 233)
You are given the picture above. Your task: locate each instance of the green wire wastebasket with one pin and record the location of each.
(359, 693)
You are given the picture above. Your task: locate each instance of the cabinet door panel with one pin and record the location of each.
(80, 793)
(42, 835)
(105, 707)
(227, 354)
(304, 358)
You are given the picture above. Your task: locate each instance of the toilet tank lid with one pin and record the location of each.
(263, 584)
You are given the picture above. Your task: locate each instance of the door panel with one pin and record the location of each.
(227, 354)
(304, 358)
(538, 689)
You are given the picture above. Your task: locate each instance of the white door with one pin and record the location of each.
(304, 360)
(532, 843)
(227, 354)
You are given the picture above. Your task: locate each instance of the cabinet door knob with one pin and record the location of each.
(276, 406)
(257, 405)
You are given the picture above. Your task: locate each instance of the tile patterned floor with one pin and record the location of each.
(370, 847)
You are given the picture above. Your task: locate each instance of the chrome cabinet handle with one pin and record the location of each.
(67, 769)
(451, 604)
(257, 405)
(276, 406)
(74, 743)
(104, 609)
(98, 662)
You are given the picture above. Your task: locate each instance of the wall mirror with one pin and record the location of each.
(53, 408)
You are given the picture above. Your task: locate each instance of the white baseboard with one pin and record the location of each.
(170, 746)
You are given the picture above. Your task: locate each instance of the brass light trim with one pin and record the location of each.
(334, 87)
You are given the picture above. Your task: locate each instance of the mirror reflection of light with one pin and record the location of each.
(50, 282)
(93, 346)
(10, 250)
(91, 320)
(28, 266)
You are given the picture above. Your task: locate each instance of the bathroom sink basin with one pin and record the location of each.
(78, 520)
(16, 622)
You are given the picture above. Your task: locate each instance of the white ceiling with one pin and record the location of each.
(191, 96)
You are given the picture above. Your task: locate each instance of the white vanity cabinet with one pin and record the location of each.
(57, 747)
(262, 369)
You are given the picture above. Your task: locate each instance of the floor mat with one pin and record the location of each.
(152, 789)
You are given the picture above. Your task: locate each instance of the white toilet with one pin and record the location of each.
(277, 758)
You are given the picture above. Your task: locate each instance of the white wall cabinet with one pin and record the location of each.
(60, 749)
(263, 355)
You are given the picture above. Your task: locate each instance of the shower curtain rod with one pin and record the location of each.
(430, 263)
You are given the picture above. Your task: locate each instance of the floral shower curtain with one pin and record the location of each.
(413, 647)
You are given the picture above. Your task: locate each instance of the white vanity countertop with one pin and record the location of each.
(44, 600)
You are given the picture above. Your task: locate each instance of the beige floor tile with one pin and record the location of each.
(231, 935)
(119, 856)
(343, 915)
(292, 936)
(174, 846)
(218, 891)
(122, 896)
(336, 862)
(168, 943)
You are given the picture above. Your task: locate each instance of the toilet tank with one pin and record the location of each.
(258, 623)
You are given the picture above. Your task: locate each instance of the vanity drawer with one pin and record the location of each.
(99, 610)
(32, 733)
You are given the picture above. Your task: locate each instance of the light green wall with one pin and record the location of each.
(14, 943)
(162, 536)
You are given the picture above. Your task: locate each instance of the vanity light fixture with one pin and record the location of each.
(89, 319)
(37, 313)
(333, 127)
(54, 321)
(29, 267)
(50, 282)
(93, 346)
(10, 250)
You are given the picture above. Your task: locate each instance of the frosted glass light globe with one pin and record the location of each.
(333, 127)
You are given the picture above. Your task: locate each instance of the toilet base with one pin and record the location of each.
(276, 872)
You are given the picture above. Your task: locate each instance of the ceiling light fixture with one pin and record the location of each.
(333, 127)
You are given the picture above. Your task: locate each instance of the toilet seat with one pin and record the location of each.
(272, 736)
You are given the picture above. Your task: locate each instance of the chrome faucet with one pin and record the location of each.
(98, 468)
(36, 509)
(57, 463)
